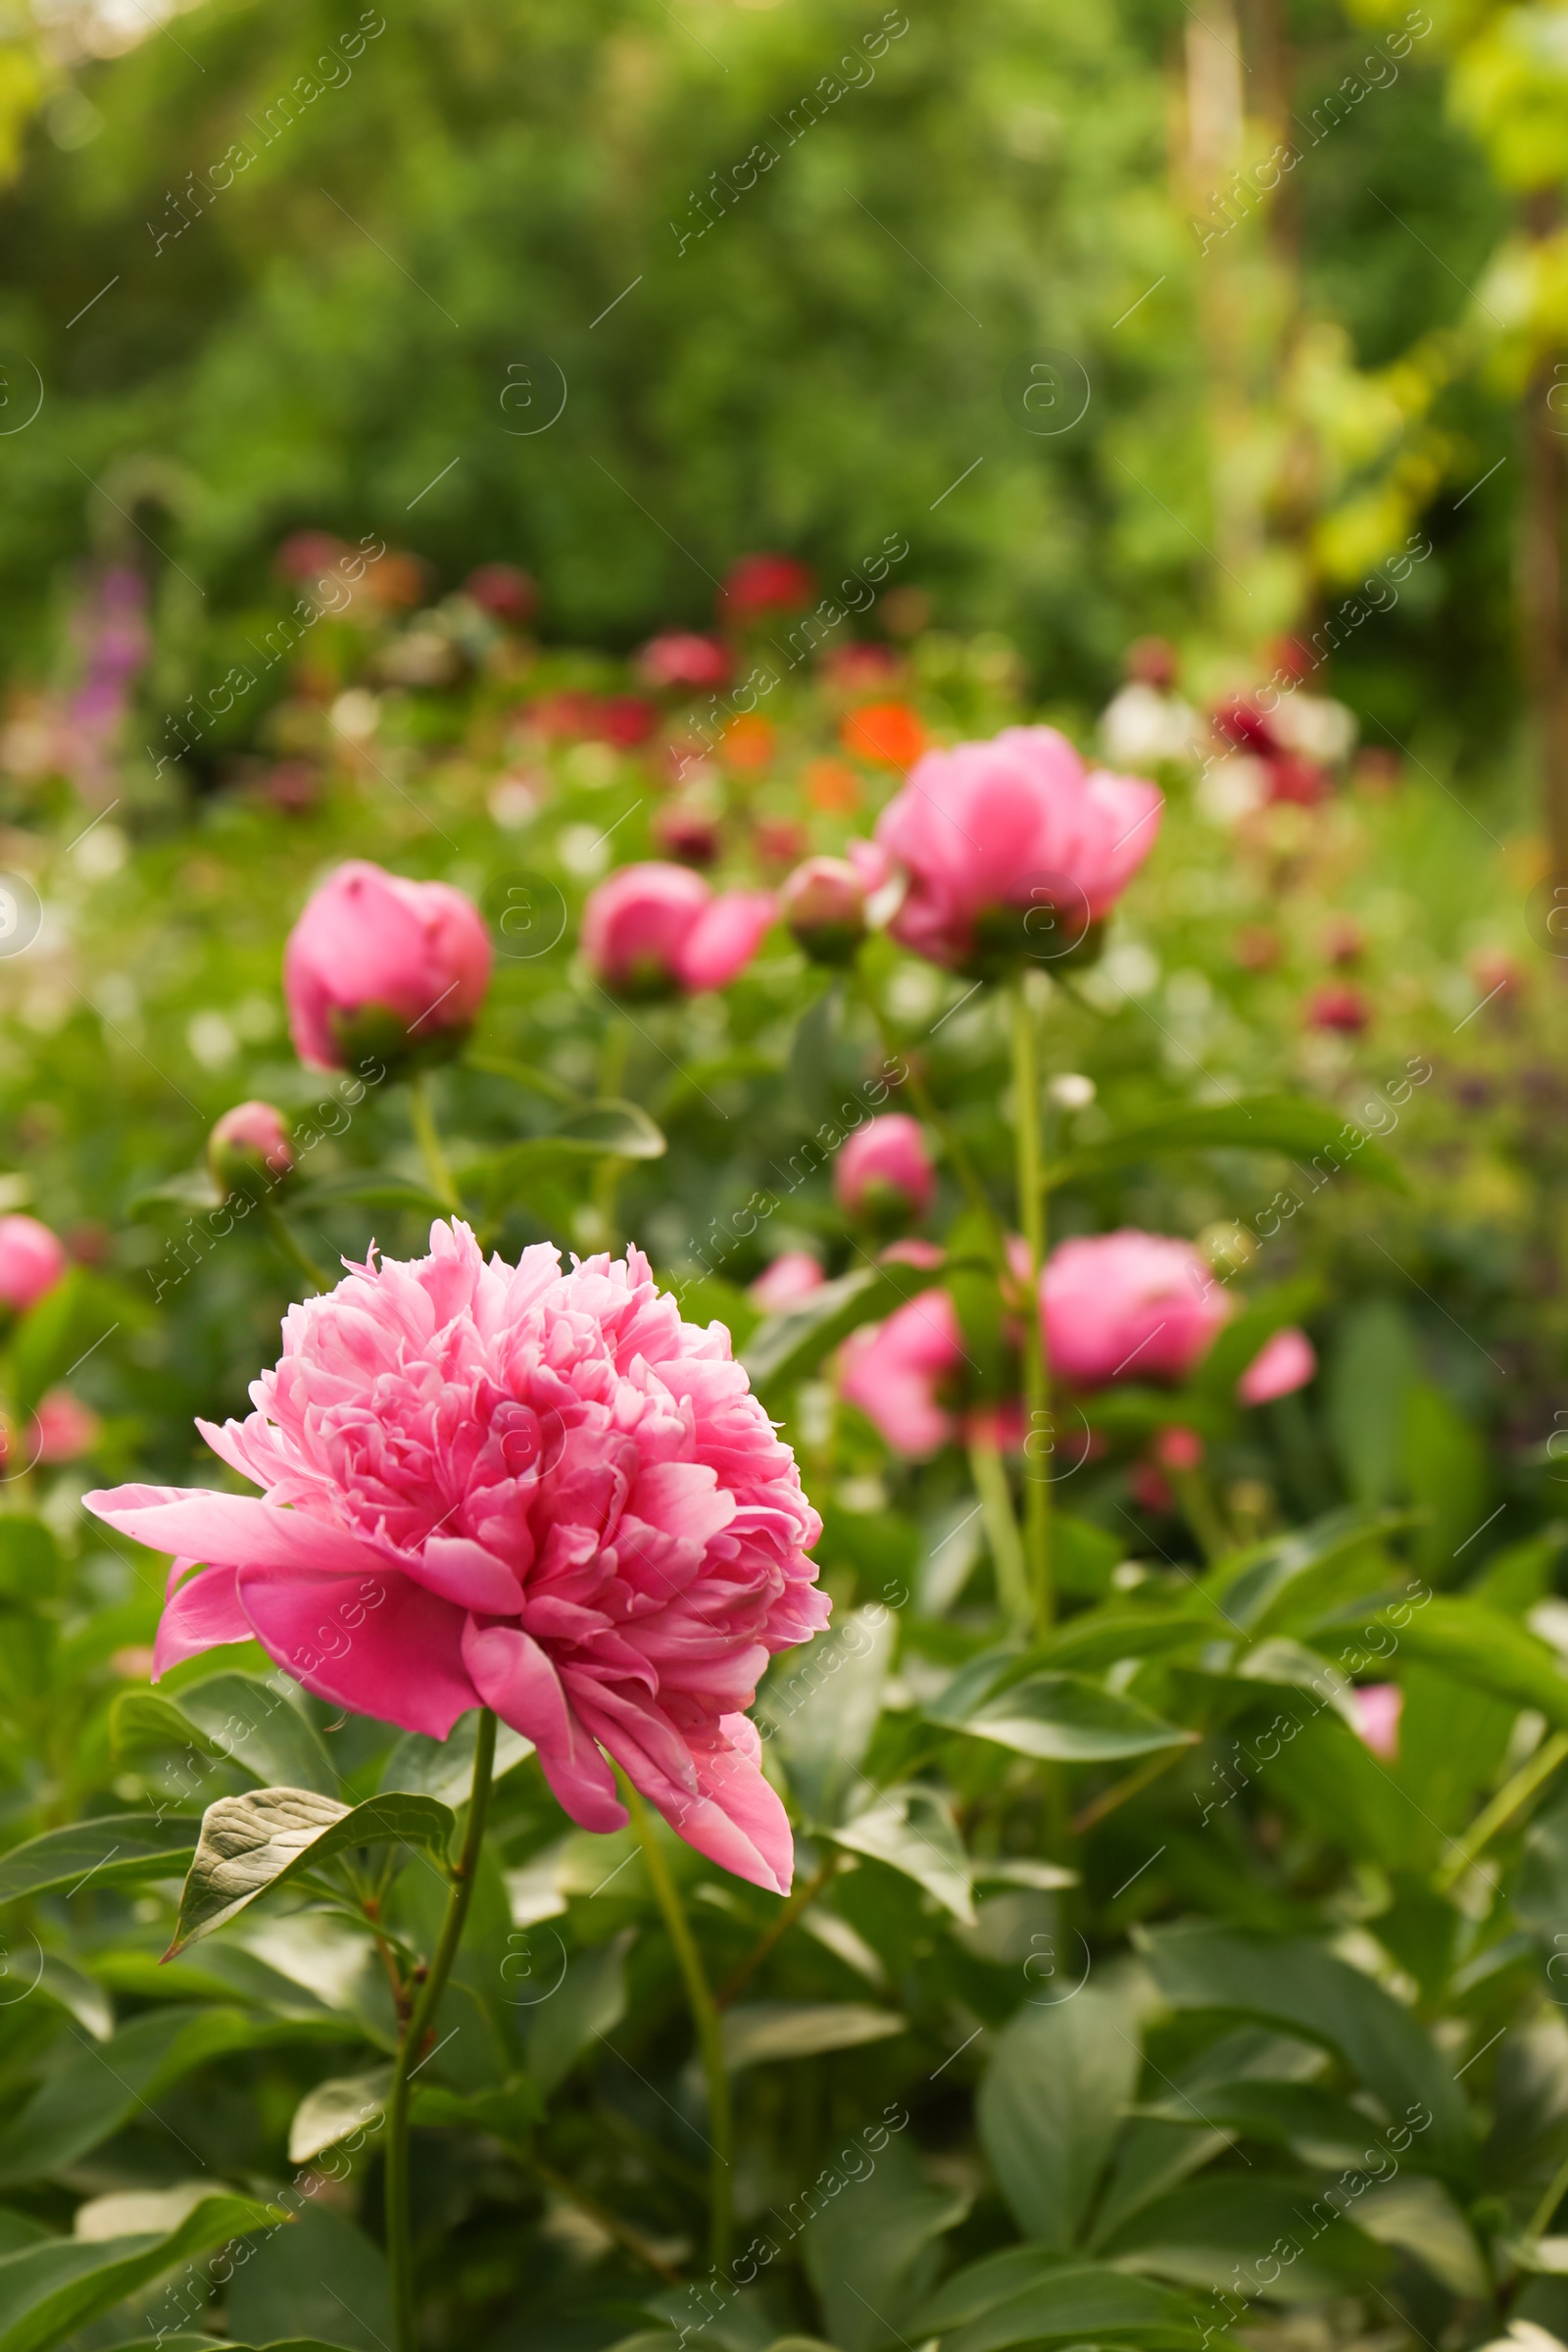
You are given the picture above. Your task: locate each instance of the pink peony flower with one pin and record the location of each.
(681, 659)
(31, 1262)
(1284, 1362)
(1377, 1717)
(377, 967)
(654, 930)
(884, 1170)
(1339, 1005)
(787, 1281)
(1129, 1305)
(1000, 838)
(249, 1149)
(823, 902)
(537, 1490)
(1178, 1449)
(65, 1428)
(895, 1372)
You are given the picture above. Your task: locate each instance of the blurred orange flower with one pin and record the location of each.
(748, 741)
(888, 733)
(832, 787)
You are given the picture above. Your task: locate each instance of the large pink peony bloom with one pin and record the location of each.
(653, 930)
(995, 836)
(32, 1260)
(379, 966)
(535, 1490)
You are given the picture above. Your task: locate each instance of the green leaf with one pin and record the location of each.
(118, 1849)
(367, 1188)
(1030, 2296)
(100, 2086)
(1162, 2143)
(271, 1836)
(1289, 1123)
(1369, 1374)
(1419, 2217)
(872, 2253)
(1444, 1466)
(1200, 2232)
(231, 1718)
(191, 1190)
(1301, 1572)
(1483, 1648)
(1098, 1637)
(49, 2291)
(1265, 1313)
(757, 2032)
(29, 1558)
(1060, 2075)
(319, 2279)
(607, 1130)
(1068, 1719)
(589, 2003)
(912, 1830)
(524, 1073)
(1301, 1985)
(343, 2104)
(819, 1707)
(444, 1768)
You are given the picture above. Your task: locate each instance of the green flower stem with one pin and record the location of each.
(802, 1899)
(438, 1173)
(1517, 1791)
(1037, 1369)
(1202, 1513)
(287, 1242)
(1550, 2202)
(990, 1475)
(952, 1144)
(410, 2045)
(709, 2032)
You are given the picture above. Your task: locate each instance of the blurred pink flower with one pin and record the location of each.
(895, 1372)
(535, 1490)
(249, 1147)
(823, 902)
(884, 1169)
(787, 1281)
(656, 930)
(1339, 1005)
(66, 1428)
(757, 585)
(506, 593)
(1377, 1717)
(988, 831)
(1286, 1361)
(679, 658)
(1129, 1304)
(377, 967)
(32, 1261)
(1178, 1449)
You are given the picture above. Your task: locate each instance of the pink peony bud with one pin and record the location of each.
(500, 1513)
(883, 1173)
(65, 1428)
(787, 1281)
(1377, 1717)
(683, 661)
(1339, 1005)
(381, 969)
(823, 902)
(1014, 850)
(656, 930)
(1129, 1305)
(31, 1262)
(1285, 1362)
(249, 1149)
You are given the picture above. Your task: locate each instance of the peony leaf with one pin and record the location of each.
(607, 1130)
(912, 1830)
(343, 2104)
(758, 2032)
(444, 1768)
(819, 1708)
(1197, 2233)
(272, 1836)
(1060, 2076)
(786, 1348)
(231, 1718)
(118, 1849)
(367, 1188)
(1028, 2295)
(1066, 1718)
(54, 2289)
(1289, 1123)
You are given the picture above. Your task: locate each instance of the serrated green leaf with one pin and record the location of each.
(271, 1836)
(116, 1850)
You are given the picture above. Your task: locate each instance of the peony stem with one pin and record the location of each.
(427, 1135)
(990, 1475)
(710, 2030)
(287, 1243)
(920, 1095)
(399, 2226)
(1037, 1444)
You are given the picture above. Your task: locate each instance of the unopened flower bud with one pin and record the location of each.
(249, 1149)
(823, 902)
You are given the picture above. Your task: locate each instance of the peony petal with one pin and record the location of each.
(379, 1643)
(206, 1612)
(728, 1812)
(1285, 1362)
(232, 1530)
(515, 1678)
(724, 938)
(463, 1572)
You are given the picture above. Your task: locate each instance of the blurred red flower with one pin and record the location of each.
(759, 584)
